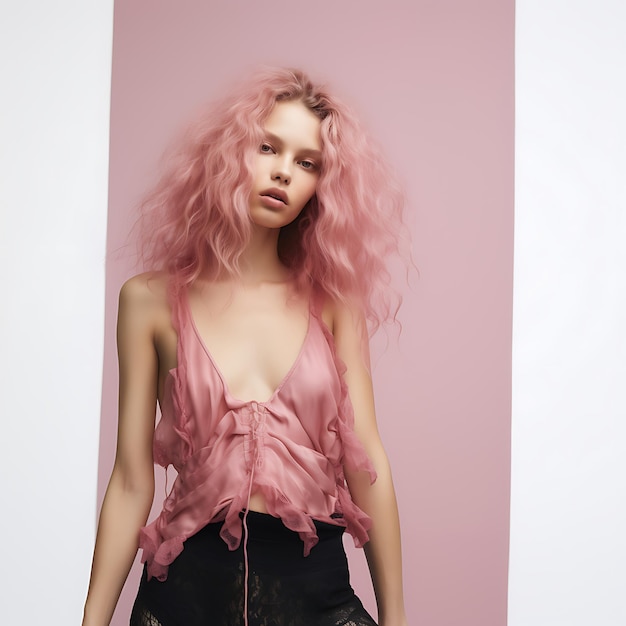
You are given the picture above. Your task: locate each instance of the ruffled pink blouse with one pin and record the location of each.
(291, 448)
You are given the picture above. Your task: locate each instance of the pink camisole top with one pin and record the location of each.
(292, 448)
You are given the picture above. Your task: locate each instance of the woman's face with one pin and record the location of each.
(287, 165)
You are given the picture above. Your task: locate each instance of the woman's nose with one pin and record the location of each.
(282, 172)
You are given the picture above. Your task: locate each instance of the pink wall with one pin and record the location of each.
(435, 83)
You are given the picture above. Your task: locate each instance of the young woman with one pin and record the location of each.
(265, 238)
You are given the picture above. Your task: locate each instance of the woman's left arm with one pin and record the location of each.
(383, 551)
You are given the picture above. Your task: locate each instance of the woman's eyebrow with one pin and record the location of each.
(312, 152)
(275, 139)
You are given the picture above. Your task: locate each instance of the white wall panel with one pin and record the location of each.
(54, 122)
(568, 540)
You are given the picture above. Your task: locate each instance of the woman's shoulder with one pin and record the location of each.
(146, 287)
(347, 324)
(146, 295)
(341, 316)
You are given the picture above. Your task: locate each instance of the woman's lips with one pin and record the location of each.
(276, 194)
(271, 203)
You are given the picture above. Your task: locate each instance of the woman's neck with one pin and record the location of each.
(259, 261)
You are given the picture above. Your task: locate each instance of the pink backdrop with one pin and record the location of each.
(434, 81)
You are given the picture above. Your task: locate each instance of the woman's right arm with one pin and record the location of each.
(130, 491)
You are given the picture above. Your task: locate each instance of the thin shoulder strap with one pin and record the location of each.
(177, 299)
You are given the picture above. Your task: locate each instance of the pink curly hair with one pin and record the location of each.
(196, 220)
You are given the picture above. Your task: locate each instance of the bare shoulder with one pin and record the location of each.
(348, 326)
(349, 329)
(344, 318)
(144, 298)
(148, 289)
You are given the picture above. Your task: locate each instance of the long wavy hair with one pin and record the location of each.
(196, 219)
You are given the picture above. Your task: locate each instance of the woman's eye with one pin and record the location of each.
(265, 147)
(307, 165)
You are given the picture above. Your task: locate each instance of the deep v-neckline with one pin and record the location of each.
(216, 368)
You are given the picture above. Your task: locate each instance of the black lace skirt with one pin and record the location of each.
(205, 584)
